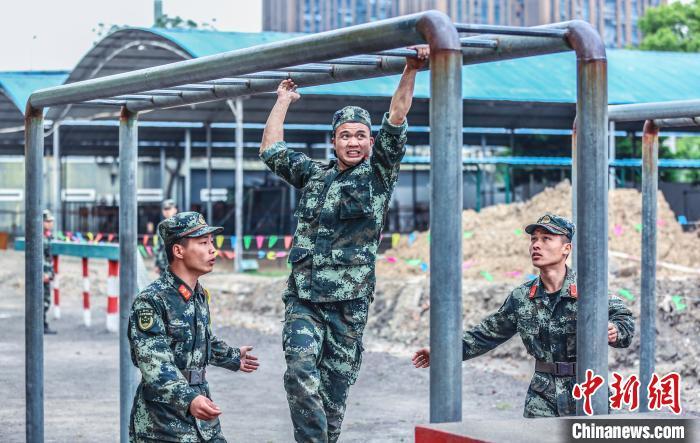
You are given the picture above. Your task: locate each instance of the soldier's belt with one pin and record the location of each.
(194, 376)
(558, 368)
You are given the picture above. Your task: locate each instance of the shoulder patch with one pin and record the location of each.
(145, 318)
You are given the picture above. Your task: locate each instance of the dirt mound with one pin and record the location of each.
(495, 246)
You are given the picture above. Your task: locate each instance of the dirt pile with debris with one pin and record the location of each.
(495, 246)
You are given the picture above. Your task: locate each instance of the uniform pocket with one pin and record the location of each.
(178, 333)
(351, 256)
(309, 203)
(355, 202)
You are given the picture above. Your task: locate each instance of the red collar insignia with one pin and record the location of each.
(533, 291)
(573, 291)
(186, 294)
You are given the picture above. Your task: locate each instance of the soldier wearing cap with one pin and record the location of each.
(341, 214)
(49, 275)
(172, 341)
(543, 312)
(168, 208)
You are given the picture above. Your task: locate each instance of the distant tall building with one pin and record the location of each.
(615, 20)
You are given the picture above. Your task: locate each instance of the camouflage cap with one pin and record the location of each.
(554, 224)
(168, 203)
(46, 215)
(353, 114)
(185, 224)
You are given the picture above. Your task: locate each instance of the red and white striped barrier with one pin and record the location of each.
(87, 317)
(113, 296)
(56, 289)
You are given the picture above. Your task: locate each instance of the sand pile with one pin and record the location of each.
(495, 246)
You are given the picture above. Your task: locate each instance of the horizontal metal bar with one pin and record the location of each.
(677, 122)
(307, 68)
(654, 111)
(354, 40)
(263, 82)
(226, 81)
(194, 87)
(356, 61)
(106, 102)
(162, 92)
(511, 30)
(134, 97)
(398, 53)
(470, 42)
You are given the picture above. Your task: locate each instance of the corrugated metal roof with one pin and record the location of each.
(18, 85)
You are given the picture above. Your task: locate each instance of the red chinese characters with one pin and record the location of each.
(624, 394)
(586, 389)
(665, 391)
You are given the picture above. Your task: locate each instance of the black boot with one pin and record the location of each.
(48, 331)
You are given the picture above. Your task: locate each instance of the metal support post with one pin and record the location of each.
(128, 157)
(446, 233)
(210, 215)
(592, 208)
(56, 178)
(612, 153)
(650, 176)
(33, 275)
(237, 110)
(188, 170)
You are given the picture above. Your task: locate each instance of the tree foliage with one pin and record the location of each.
(671, 27)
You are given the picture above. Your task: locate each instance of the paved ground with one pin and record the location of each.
(81, 383)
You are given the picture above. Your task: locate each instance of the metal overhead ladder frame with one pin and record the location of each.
(345, 54)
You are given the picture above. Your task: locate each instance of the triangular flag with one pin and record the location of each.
(110, 237)
(156, 240)
(487, 275)
(219, 241)
(246, 241)
(625, 293)
(233, 242)
(259, 239)
(60, 236)
(142, 250)
(470, 234)
(271, 241)
(149, 249)
(281, 254)
(79, 236)
(678, 301)
(411, 238)
(90, 236)
(145, 240)
(216, 252)
(395, 238)
(287, 241)
(261, 254)
(271, 255)
(413, 261)
(391, 259)
(98, 237)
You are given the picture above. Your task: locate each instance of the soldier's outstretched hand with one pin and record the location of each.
(287, 90)
(203, 408)
(422, 56)
(249, 362)
(421, 359)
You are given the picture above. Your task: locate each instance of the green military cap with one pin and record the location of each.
(168, 203)
(185, 224)
(353, 114)
(554, 224)
(47, 215)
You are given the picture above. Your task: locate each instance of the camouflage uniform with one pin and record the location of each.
(171, 344)
(161, 256)
(547, 327)
(341, 215)
(159, 248)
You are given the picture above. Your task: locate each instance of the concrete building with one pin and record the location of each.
(615, 20)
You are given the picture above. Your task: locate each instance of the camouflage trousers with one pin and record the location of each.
(322, 345)
(47, 300)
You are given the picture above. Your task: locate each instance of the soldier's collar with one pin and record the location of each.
(569, 287)
(180, 286)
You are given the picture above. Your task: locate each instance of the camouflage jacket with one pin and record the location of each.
(548, 331)
(161, 256)
(170, 330)
(48, 258)
(341, 215)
